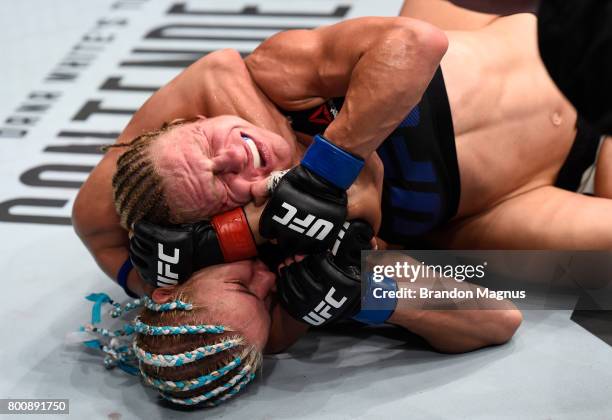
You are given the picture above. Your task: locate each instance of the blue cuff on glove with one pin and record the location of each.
(381, 309)
(332, 163)
(122, 278)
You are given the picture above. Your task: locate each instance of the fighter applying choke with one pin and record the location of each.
(200, 168)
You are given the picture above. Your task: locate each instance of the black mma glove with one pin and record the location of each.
(325, 287)
(168, 255)
(308, 207)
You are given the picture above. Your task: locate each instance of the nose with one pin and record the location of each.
(262, 281)
(228, 161)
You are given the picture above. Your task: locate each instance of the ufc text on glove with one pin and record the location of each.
(308, 207)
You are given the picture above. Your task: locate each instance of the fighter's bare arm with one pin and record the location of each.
(452, 326)
(217, 84)
(460, 330)
(381, 65)
(392, 53)
(448, 326)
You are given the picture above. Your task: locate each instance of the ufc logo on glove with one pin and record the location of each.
(319, 227)
(321, 313)
(165, 276)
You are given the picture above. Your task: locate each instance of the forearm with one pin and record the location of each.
(453, 324)
(284, 330)
(111, 260)
(386, 83)
(459, 330)
(381, 66)
(96, 223)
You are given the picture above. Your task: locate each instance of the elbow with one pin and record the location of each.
(419, 38)
(503, 327)
(490, 328)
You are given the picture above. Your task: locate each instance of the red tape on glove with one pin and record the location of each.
(234, 234)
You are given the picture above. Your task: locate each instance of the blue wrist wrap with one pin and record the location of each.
(382, 308)
(122, 278)
(332, 163)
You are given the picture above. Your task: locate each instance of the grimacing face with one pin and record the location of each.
(216, 164)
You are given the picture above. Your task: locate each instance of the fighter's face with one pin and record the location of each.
(213, 165)
(237, 295)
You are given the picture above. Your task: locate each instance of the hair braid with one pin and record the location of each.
(148, 192)
(137, 186)
(140, 172)
(190, 364)
(151, 194)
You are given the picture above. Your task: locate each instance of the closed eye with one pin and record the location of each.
(241, 288)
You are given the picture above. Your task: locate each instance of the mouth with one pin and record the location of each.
(259, 159)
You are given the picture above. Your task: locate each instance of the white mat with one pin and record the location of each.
(552, 369)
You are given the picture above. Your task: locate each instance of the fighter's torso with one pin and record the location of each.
(513, 129)
(421, 186)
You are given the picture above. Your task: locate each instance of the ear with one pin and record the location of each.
(163, 294)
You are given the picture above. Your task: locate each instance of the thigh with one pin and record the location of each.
(544, 218)
(446, 15)
(463, 15)
(603, 175)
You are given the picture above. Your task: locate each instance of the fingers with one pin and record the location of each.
(274, 179)
(374, 244)
(290, 260)
(260, 192)
(262, 189)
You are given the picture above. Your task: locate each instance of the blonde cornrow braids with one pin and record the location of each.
(137, 187)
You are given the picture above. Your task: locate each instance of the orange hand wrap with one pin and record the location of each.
(234, 234)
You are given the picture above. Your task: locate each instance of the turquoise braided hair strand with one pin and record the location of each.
(142, 328)
(191, 384)
(180, 359)
(130, 358)
(240, 379)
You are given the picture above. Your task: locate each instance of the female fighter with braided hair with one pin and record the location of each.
(540, 122)
(201, 342)
(227, 174)
(443, 166)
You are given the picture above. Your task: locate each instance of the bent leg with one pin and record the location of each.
(603, 175)
(446, 15)
(463, 15)
(544, 218)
